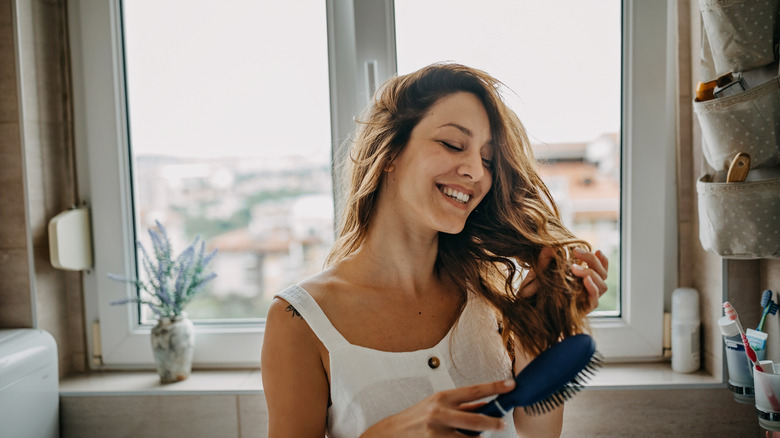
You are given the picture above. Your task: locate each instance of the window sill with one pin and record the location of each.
(200, 382)
(651, 375)
(657, 375)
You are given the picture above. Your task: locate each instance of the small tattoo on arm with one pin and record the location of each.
(294, 311)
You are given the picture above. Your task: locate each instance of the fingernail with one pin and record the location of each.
(579, 251)
(577, 267)
(509, 383)
(502, 426)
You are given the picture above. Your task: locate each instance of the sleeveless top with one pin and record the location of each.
(368, 385)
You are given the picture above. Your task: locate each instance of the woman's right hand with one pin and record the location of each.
(442, 413)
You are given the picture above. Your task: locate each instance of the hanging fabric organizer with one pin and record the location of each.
(740, 219)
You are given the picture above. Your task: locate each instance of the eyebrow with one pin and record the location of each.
(462, 128)
(466, 131)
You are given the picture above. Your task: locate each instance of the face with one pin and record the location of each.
(444, 171)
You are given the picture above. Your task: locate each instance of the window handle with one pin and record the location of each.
(370, 73)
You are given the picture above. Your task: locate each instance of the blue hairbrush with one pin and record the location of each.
(553, 377)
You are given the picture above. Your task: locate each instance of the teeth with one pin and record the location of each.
(456, 195)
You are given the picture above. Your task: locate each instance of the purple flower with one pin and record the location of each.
(170, 282)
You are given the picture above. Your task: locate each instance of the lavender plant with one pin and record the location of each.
(171, 282)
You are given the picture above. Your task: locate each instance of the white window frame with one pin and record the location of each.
(361, 34)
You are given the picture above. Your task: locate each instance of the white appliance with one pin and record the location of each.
(29, 384)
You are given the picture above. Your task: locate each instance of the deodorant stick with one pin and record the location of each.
(685, 330)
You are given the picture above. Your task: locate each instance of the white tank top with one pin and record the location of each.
(369, 385)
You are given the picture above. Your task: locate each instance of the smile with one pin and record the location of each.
(456, 195)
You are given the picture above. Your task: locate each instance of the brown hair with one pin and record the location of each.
(507, 231)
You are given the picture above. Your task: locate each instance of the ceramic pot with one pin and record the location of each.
(173, 342)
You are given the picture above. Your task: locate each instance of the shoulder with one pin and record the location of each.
(292, 364)
(285, 324)
(286, 329)
(317, 285)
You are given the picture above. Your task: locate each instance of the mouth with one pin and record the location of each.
(456, 195)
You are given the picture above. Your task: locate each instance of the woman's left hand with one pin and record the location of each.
(593, 273)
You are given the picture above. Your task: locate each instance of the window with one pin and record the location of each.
(224, 147)
(566, 93)
(130, 179)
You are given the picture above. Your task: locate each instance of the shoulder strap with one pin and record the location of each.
(314, 316)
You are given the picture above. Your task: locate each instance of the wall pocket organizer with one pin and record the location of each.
(740, 220)
(740, 32)
(740, 124)
(745, 122)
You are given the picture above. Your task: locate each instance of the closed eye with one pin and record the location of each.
(451, 146)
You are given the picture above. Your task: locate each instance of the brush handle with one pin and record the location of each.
(767, 310)
(750, 353)
(763, 318)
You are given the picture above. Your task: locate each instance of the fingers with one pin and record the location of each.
(451, 409)
(604, 260)
(595, 291)
(467, 394)
(597, 261)
(459, 419)
(593, 274)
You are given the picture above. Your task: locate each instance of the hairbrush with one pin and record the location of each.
(553, 377)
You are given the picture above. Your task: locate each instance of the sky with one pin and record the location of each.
(247, 77)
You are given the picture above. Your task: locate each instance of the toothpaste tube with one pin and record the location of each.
(756, 339)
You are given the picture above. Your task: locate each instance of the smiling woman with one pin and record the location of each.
(444, 204)
(445, 153)
(271, 212)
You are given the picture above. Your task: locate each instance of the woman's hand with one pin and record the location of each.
(593, 272)
(442, 413)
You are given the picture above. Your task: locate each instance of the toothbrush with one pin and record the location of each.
(770, 307)
(732, 314)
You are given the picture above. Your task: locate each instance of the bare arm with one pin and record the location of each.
(548, 424)
(294, 380)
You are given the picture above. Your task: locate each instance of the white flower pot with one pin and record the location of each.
(173, 342)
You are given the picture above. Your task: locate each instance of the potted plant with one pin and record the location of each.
(170, 283)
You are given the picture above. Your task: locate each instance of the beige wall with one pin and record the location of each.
(37, 181)
(36, 175)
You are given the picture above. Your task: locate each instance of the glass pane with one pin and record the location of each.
(561, 63)
(229, 117)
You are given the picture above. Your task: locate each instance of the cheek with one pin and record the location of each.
(487, 185)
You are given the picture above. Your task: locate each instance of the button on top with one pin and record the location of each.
(433, 362)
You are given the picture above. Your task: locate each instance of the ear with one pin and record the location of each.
(389, 167)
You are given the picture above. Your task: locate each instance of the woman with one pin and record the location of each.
(421, 311)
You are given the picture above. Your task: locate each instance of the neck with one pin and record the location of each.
(396, 259)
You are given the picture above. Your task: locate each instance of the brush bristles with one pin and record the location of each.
(730, 311)
(569, 390)
(766, 297)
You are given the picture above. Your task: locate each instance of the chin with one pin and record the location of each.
(454, 229)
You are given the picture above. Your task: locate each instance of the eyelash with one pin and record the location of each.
(450, 146)
(485, 162)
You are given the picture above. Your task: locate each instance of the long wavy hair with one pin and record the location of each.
(503, 236)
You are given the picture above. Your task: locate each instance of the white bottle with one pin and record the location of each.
(686, 342)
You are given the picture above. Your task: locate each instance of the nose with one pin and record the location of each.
(471, 166)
